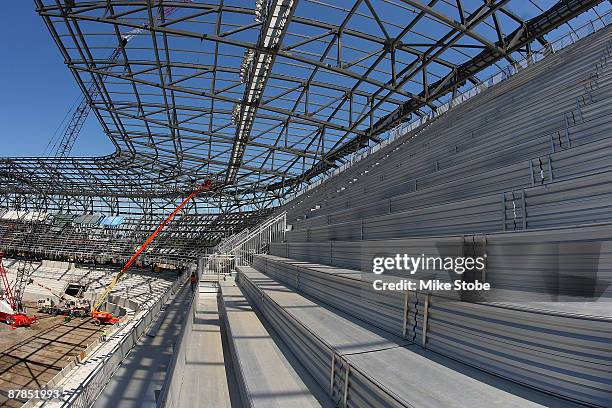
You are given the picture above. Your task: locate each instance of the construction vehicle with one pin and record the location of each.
(11, 308)
(66, 304)
(102, 317)
(72, 308)
(78, 307)
(12, 311)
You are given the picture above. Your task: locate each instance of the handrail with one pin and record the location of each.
(229, 241)
(264, 228)
(238, 249)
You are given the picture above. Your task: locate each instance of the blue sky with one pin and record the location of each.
(36, 88)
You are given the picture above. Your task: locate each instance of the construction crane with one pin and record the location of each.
(67, 305)
(76, 122)
(11, 309)
(64, 147)
(101, 317)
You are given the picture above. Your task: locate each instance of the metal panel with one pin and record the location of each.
(568, 355)
(528, 120)
(389, 376)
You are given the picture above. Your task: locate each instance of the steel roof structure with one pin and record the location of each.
(260, 95)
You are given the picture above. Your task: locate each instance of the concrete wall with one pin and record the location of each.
(172, 387)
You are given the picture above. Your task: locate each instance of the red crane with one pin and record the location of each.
(11, 309)
(101, 317)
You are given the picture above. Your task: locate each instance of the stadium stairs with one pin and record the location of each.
(519, 173)
(514, 151)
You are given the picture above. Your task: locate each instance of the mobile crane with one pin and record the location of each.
(68, 305)
(11, 308)
(12, 311)
(102, 317)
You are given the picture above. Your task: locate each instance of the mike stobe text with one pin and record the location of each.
(430, 285)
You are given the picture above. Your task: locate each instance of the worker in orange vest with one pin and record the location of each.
(194, 280)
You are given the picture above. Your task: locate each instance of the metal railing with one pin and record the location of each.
(218, 264)
(230, 241)
(259, 239)
(238, 249)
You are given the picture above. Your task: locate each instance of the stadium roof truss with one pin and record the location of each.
(261, 95)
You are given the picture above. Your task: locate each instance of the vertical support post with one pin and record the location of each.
(425, 319)
(503, 208)
(332, 377)
(579, 109)
(406, 311)
(346, 384)
(361, 229)
(567, 136)
(550, 170)
(524, 208)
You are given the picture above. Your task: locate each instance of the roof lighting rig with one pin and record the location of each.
(261, 10)
(257, 64)
(246, 66)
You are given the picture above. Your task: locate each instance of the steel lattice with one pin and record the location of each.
(261, 95)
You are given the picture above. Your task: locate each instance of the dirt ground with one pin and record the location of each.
(30, 357)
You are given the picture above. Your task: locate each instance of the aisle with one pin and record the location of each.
(139, 379)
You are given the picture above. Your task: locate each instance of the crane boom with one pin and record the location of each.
(102, 298)
(66, 143)
(54, 293)
(6, 286)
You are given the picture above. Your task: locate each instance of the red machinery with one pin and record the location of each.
(11, 308)
(101, 317)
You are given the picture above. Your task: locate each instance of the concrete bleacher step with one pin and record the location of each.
(360, 365)
(209, 277)
(141, 375)
(463, 182)
(549, 345)
(580, 200)
(514, 259)
(267, 374)
(140, 287)
(208, 289)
